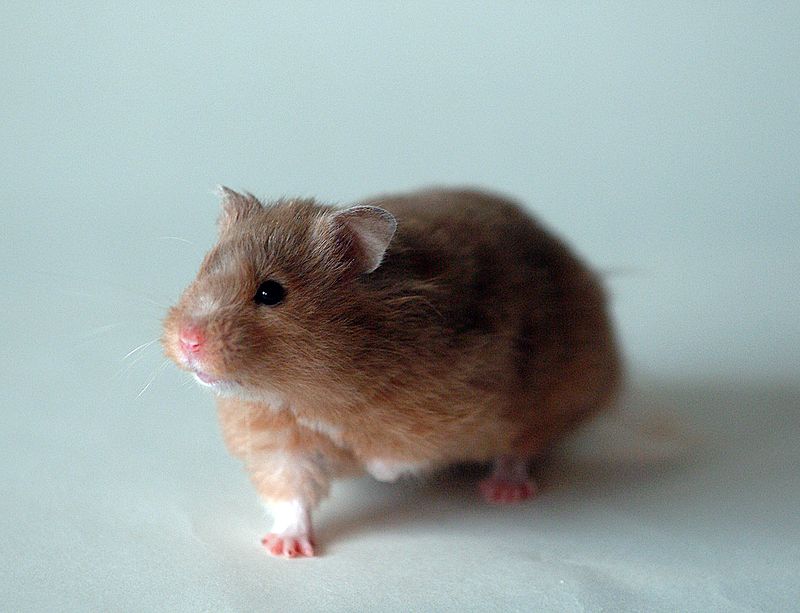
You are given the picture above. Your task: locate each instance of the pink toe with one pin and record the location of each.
(288, 547)
(503, 491)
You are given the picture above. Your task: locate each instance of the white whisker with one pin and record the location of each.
(101, 329)
(139, 348)
(151, 301)
(152, 378)
(128, 367)
(175, 238)
(91, 336)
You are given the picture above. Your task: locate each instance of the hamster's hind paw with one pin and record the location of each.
(498, 490)
(509, 481)
(285, 546)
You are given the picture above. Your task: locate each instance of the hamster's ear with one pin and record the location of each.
(368, 230)
(235, 206)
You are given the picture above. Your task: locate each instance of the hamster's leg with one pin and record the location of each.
(290, 487)
(291, 481)
(509, 481)
(290, 466)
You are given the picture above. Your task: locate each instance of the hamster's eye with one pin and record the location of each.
(269, 293)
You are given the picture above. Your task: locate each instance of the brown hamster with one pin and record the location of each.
(397, 336)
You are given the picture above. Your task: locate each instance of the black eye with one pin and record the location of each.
(269, 293)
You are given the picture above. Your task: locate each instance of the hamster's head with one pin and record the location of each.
(269, 309)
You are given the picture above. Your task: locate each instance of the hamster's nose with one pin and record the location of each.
(191, 338)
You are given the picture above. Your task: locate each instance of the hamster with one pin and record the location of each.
(396, 336)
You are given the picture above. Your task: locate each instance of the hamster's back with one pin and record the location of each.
(528, 317)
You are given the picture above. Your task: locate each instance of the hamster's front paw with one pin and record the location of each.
(289, 545)
(292, 535)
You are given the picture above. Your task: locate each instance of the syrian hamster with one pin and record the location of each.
(399, 335)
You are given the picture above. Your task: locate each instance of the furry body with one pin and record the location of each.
(478, 336)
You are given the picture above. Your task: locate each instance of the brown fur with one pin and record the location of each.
(480, 334)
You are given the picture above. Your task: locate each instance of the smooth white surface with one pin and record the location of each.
(113, 502)
(663, 141)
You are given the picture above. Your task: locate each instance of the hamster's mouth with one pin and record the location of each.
(205, 379)
(221, 387)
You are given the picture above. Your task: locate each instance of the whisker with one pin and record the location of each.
(154, 302)
(174, 238)
(101, 329)
(139, 348)
(152, 378)
(126, 368)
(90, 336)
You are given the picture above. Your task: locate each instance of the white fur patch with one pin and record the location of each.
(392, 470)
(273, 400)
(332, 432)
(290, 518)
(204, 306)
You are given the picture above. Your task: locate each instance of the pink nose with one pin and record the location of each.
(191, 339)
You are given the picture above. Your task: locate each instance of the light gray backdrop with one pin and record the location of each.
(663, 142)
(662, 139)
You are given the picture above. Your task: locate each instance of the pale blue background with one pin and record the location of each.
(662, 139)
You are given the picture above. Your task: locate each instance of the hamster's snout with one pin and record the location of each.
(191, 339)
(194, 354)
